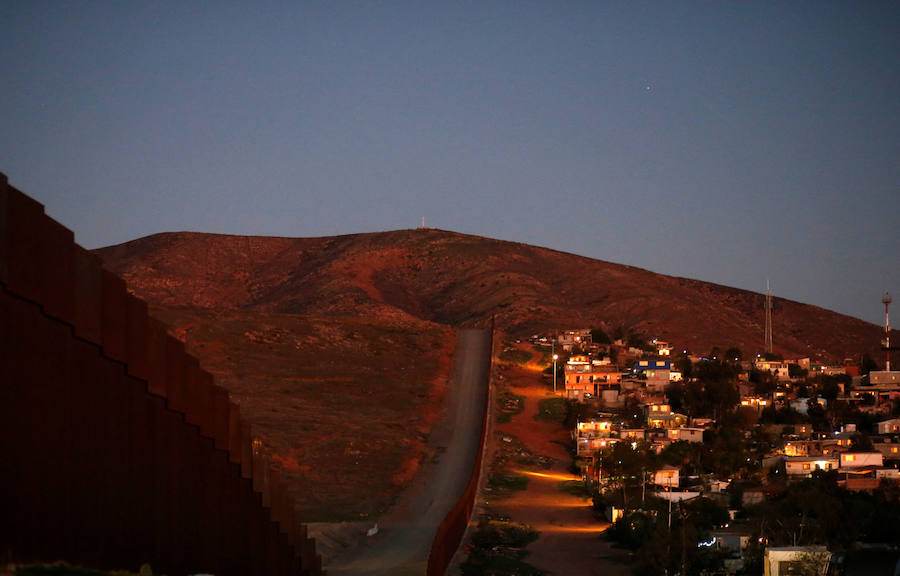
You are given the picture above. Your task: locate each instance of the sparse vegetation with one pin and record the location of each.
(508, 404)
(503, 483)
(515, 356)
(496, 549)
(575, 488)
(553, 409)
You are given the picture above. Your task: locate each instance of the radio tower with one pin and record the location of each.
(886, 300)
(769, 345)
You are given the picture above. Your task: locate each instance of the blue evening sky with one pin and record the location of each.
(731, 142)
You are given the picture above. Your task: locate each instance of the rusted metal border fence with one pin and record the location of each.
(451, 530)
(116, 448)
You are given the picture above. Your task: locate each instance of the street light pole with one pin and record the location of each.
(555, 358)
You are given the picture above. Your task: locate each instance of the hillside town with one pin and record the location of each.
(715, 463)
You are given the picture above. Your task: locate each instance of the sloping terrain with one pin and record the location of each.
(455, 279)
(338, 349)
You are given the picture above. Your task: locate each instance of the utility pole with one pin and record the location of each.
(683, 541)
(770, 344)
(643, 485)
(886, 300)
(555, 358)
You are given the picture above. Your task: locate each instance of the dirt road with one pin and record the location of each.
(571, 541)
(405, 534)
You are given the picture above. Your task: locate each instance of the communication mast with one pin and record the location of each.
(886, 300)
(769, 344)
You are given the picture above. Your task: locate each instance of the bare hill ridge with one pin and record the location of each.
(445, 277)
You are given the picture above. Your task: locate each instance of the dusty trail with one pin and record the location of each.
(571, 542)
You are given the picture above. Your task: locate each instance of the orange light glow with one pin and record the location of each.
(558, 477)
(577, 529)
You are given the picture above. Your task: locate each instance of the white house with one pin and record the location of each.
(806, 465)
(796, 560)
(778, 368)
(667, 476)
(891, 426)
(859, 459)
(638, 433)
(889, 473)
(686, 434)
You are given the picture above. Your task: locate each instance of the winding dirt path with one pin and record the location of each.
(571, 541)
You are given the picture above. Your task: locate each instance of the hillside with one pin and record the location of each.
(338, 349)
(455, 279)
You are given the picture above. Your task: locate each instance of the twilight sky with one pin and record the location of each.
(728, 142)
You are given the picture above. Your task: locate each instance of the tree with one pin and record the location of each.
(867, 365)
(764, 383)
(810, 564)
(685, 366)
(675, 396)
(797, 371)
(830, 387)
(598, 336)
(733, 354)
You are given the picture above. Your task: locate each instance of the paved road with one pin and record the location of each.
(405, 535)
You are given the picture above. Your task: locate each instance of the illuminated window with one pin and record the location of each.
(894, 449)
(850, 457)
(806, 466)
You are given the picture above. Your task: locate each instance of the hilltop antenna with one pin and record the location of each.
(769, 345)
(886, 300)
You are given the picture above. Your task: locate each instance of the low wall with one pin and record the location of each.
(116, 448)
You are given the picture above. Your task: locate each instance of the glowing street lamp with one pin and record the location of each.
(555, 358)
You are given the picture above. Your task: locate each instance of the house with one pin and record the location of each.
(801, 405)
(587, 447)
(592, 436)
(810, 447)
(835, 371)
(685, 434)
(752, 496)
(667, 476)
(585, 378)
(594, 427)
(883, 386)
(661, 416)
(885, 378)
(890, 450)
(655, 372)
(662, 348)
(636, 434)
(755, 402)
(891, 426)
(574, 338)
(860, 459)
(787, 560)
(804, 466)
(733, 539)
(776, 367)
(887, 474)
